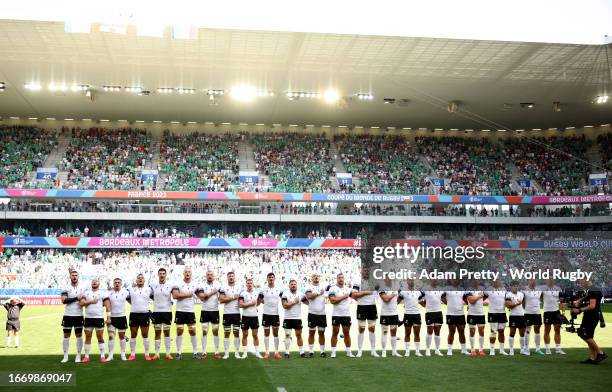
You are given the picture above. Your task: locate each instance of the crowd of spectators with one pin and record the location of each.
(382, 164)
(38, 268)
(469, 166)
(97, 158)
(22, 150)
(294, 162)
(199, 162)
(559, 164)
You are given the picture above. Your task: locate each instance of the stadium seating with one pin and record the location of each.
(106, 159)
(470, 166)
(382, 164)
(198, 162)
(556, 172)
(294, 162)
(22, 150)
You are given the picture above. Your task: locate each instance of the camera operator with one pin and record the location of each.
(589, 305)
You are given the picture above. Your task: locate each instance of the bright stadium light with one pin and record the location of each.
(331, 96)
(243, 93)
(57, 87)
(33, 86)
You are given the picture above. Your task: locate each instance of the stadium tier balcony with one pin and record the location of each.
(98, 158)
(387, 165)
(199, 162)
(22, 151)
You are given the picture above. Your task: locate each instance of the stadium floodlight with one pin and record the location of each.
(33, 86)
(157, 121)
(293, 125)
(243, 93)
(226, 123)
(79, 87)
(2, 86)
(104, 120)
(58, 87)
(243, 124)
(182, 90)
(86, 119)
(134, 89)
(32, 118)
(365, 96)
(604, 125)
(260, 125)
(374, 127)
(112, 89)
(588, 126)
(601, 99)
(192, 122)
(570, 127)
(139, 121)
(331, 96)
(14, 118)
(407, 129)
(165, 90)
(50, 118)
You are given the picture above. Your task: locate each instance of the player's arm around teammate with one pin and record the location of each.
(248, 301)
(317, 319)
(366, 315)
(515, 301)
(339, 297)
(389, 321)
(291, 301)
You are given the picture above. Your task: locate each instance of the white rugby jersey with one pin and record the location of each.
(118, 300)
(140, 298)
(497, 299)
(294, 312)
(317, 305)
(389, 308)
(433, 300)
(340, 309)
(95, 310)
(247, 296)
(476, 309)
(232, 307)
(211, 304)
(411, 300)
(454, 302)
(551, 298)
(271, 297)
(73, 309)
(186, 304)
(369, 299)
(162, 296)
(532, 301)
(518, 297)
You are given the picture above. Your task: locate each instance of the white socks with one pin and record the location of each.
(194, 343)
(428, 341)
(167, 342)
(437, 342)
(147, 345)
(276, 343)
(65, 345)
(360, 340)
(157, 345)
(132, 346)
(87, 348)
(79, 345)
(236, 344)
(372, 341)
(216, 339)
(179, 344)
(537, 341)
(481, 342)
(226, 344)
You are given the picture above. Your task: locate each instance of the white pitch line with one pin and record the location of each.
(281, 389)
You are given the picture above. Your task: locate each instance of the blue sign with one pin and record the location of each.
(46, 173)
(248, 177)
(149, 176)
(437, 181)
(344, 178)
(524, 183)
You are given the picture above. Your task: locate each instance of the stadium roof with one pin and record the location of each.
(488, 80)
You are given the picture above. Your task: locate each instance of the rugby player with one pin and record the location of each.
(339, 296)
(292, 303)
(73, 316)
(162, 312)
(209, 295)
(117, 323)
(184, 294)
(228, 296)
(139, 297)
(412, 316)
(269, 296)
(553, 306)
(533, 317)
(455, 300)
(515, 301)
(389, 319)
(432, 300)
(317, 319)
(366, 315)
(476, 318)
(248, 301)
(95, 301)
(496, 294)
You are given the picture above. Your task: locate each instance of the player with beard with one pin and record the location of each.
(455, 300)
(73, 316)
(412, 316)
(139, 298)
(317, 319)
(209, 295)
(162, 312)
(95, 301)
(553, 306)
(476, 318)
(248, 301)
(292, 303)
(339, 295)
(432, 300)
(496, 294)
(389, 319)
(366, 315)
(229, 296)
(515, 302)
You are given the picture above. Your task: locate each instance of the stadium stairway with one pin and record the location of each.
(56, 155)
(153, 163)
(333, 153)
(246, 156)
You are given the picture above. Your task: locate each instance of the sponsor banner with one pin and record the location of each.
(273, 243)
(598, 179)
(248, 177)
(298, 197)
(46, 173)
(42, 300)
(344, 178)
(13, 292)
(523, 183)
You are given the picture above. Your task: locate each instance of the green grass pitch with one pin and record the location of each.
(41, 351)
